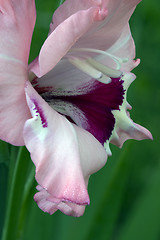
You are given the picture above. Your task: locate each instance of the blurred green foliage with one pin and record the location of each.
(125, 194)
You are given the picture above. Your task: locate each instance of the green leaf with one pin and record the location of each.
(3, 192)
(144, 221)
(20, 169)
(4, 162)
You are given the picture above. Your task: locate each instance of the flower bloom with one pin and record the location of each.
(70, 102)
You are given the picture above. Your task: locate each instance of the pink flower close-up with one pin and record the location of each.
(70, 103)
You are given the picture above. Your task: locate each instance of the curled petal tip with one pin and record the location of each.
(145, 132)
(150, 136)
(137, 62)
(51, 205)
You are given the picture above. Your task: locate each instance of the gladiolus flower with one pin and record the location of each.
(70, 102)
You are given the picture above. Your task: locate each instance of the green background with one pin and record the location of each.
(125, 194)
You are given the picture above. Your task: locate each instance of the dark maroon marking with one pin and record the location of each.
(39, 89)
(40, 111)
(96, 105)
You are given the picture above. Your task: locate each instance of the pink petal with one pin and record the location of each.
(125, 128)
(55, 47)
(63, 76)
(104, 34)
(5, 6)
(132, 131)
(136, 132)
(13, 108)
(68, 208)
(111, 34)
(70, 7)
(124, 48)
(64, 154)
(104, 24)
(17, 19)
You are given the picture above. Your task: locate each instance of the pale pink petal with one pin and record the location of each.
(5, 6)
(125, 128)
(63, 76)
(93, 157)
(68, 208)
(70, 7)
(64, 154)
(17, 19)
(123, 48)
(113, 36)
(104, 34)
(13, 107)
(55, 47)
(135, 131)
(87, 24)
